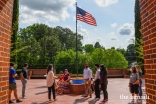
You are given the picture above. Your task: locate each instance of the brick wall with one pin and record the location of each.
(5, 34)
(148, 20)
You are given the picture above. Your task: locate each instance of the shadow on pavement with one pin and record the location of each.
(41, 93)
(78, 101)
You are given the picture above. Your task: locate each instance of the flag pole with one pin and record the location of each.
(76, 44)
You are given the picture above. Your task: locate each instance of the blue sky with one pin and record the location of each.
(115, 19)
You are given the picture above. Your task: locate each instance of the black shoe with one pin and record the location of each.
(18, 101)
(10, 102)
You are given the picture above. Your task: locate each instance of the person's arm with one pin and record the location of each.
(68, 78)
(90, 75)
(96, 74)
(137, 79)
(21, 74)
(13, 73)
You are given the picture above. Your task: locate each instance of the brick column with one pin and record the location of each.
(148, 20)
(6, 7)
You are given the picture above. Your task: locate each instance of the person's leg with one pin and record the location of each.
(140, 89)
(98, 90)
(102, 88)
(105, 92)
(136, 89)
(49, 93)
(10, 94)
(15, 94)
(132, 91)
(89, 88)
(53, 90)
(23, 87)
(86, 87)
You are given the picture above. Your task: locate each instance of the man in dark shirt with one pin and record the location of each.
(12, 83)
(24, 77)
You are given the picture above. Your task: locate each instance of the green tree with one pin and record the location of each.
(15, 18)
(138, 36)
(110, 58)
(88, 48)
(50, 45)
(114, 59)
(97, 45)
(130, 54)
(112, 47)
(122, 51)
(30, 54)
(65, 59)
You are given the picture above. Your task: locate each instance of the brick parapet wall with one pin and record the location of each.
(5, 36)
(148, 21)
(116, 72)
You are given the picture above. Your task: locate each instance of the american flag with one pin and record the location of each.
(85, 17)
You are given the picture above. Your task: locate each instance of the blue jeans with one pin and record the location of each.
(140, 88)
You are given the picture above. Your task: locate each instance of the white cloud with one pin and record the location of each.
(105, 3)
(84, 32)
(32, 11)
(113, 25)
(112, 36)
(126, 29)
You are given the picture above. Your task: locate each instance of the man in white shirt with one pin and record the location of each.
(97, 82)
(87, 74)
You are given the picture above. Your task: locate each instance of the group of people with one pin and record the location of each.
(99, 82)
(60, 87)
(12, 82)
(135, 82)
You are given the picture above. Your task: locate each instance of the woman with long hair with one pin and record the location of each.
(104, 82)
(134, 83)
(139, 71)
(50, 82)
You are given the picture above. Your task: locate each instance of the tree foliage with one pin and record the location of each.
(14, 35)
(130, 54)
(42, 43)
(97, 45)
(89, 48)
(138, 36)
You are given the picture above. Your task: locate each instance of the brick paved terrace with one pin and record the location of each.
(37, 93)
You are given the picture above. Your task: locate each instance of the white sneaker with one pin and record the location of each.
(24, 97)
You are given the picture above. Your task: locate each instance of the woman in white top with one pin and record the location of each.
(51, 82)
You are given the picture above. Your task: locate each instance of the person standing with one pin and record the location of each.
(139, 71)
(104, 82)
(12, 83)
(134, 83)
(87, 74)
(97, 82)
(24, 78)
(51, 82)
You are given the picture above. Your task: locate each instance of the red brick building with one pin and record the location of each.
(148, 20)
(6, 7)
